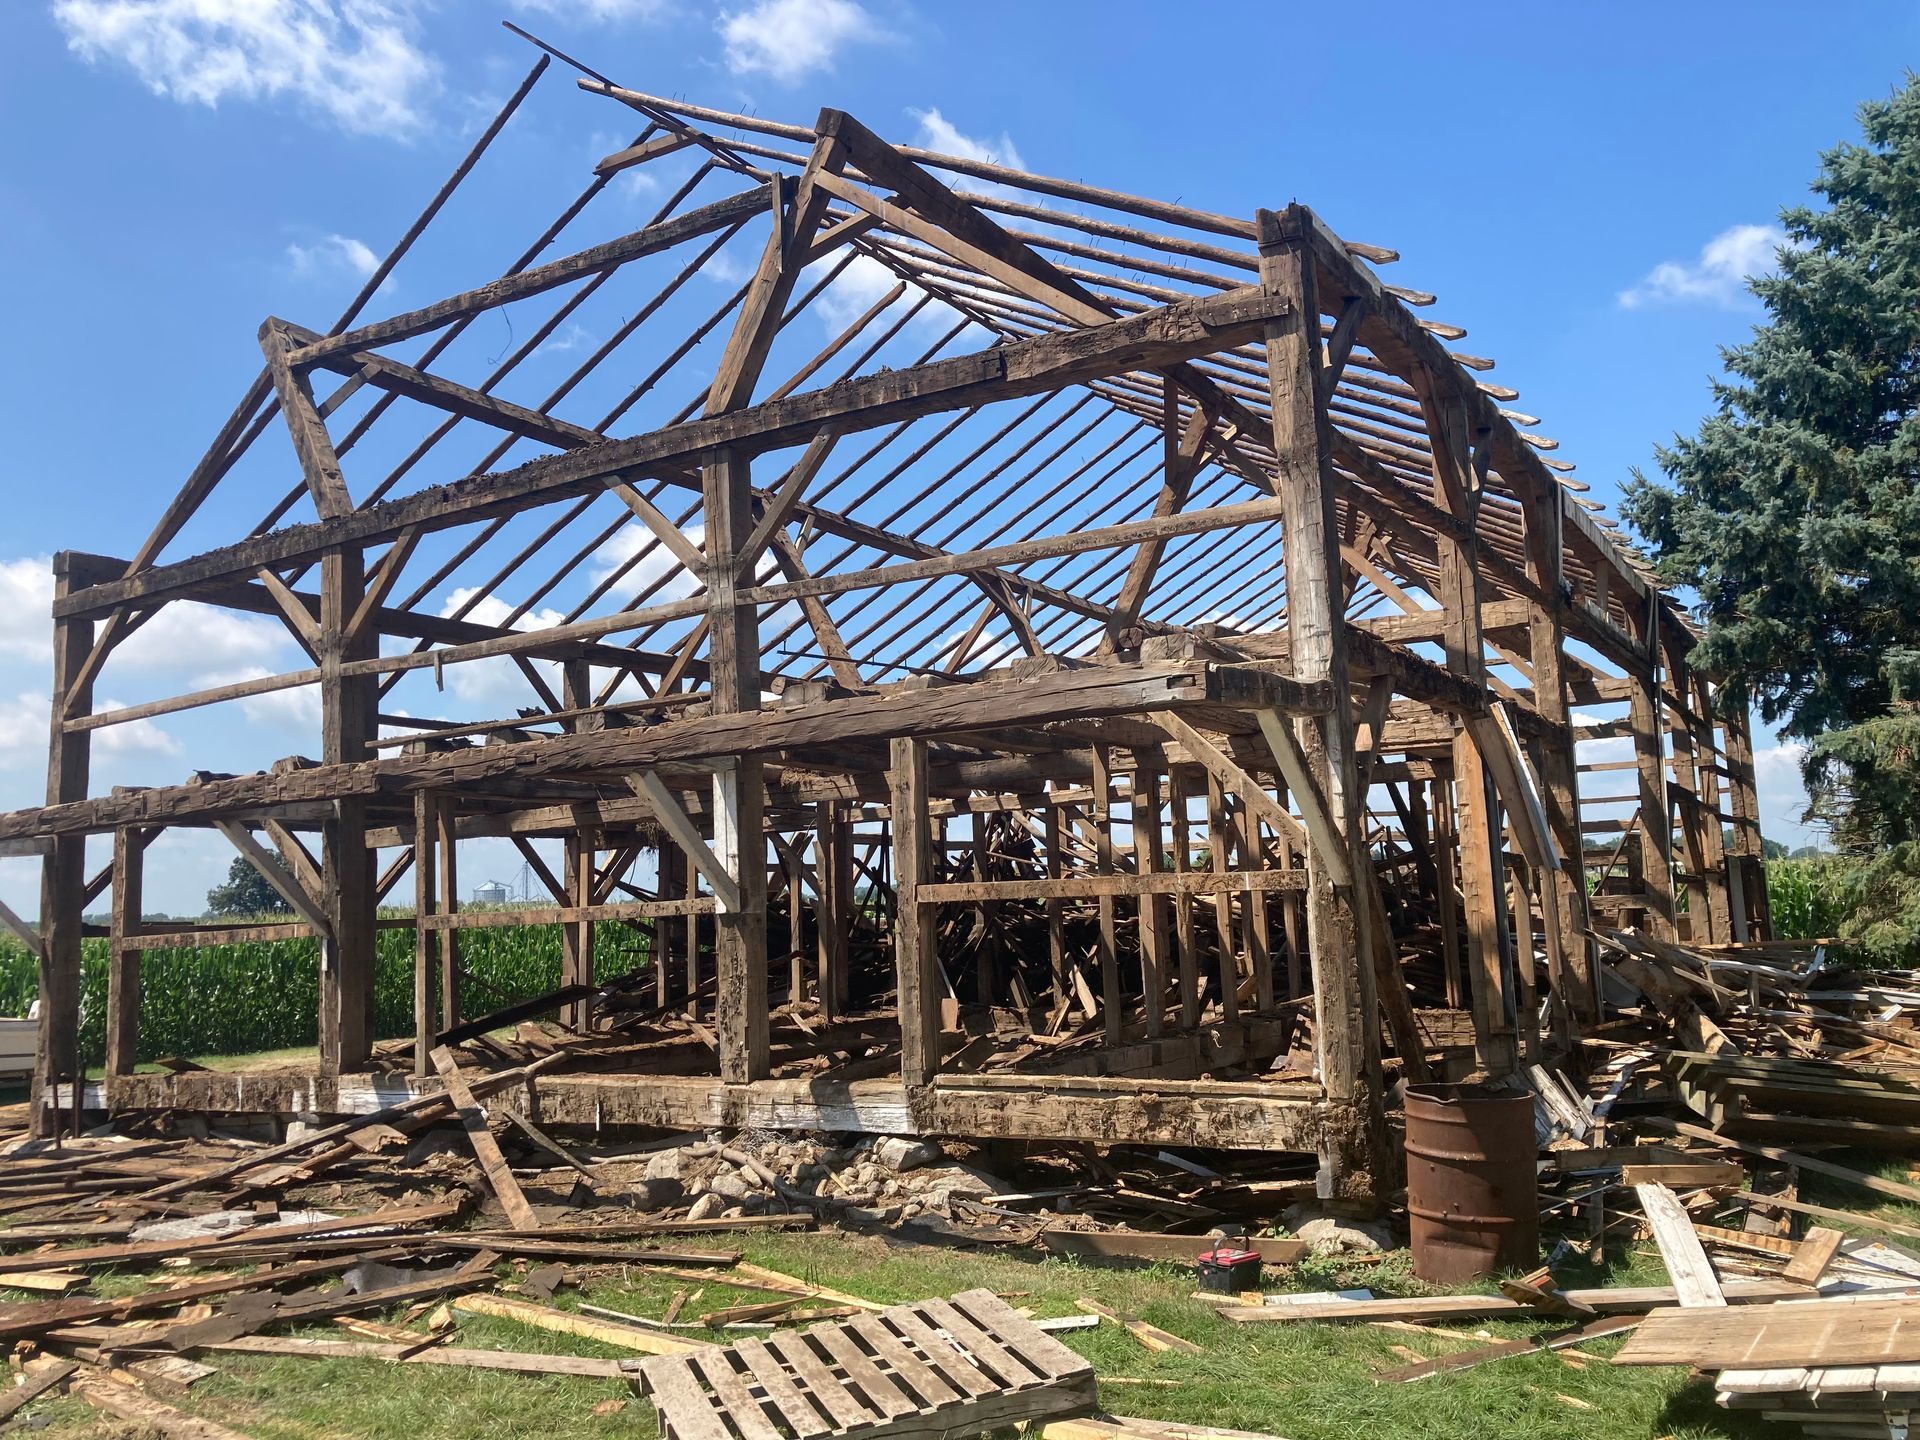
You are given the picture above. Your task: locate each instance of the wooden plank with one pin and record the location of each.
(1813, 1163)
(742, 1410)
(1616, 1299)
(1807, 1333)
(1686, 1175)
(145, 1411)
(1147, 1245)
(786, 1396)
(565, 1322)
(1694, 1281)
(1814, 1254)
(485, 1148)
(881, 1390)
(32, 1387)
(685, 1411)
(827, 1391)
(1151, 1336)
(1033, 1343)
(1468, 1359)
(928, 1384)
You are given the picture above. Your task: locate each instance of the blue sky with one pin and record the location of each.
(1582, 186)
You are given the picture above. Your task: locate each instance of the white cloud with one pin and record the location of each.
(938, 133)
(597, 12)
(788, 38)
(354, 61)
(26, 608)
(331, 254)
(629, 541)
(182, 645)
(496, 684)
(136, 737)
(572, 336)
(25, 720)
(1718, 277)
(187, 642)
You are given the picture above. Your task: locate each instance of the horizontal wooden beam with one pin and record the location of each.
(1152, 340)
(1084, 693)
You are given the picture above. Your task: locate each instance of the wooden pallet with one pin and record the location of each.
(934, 1367)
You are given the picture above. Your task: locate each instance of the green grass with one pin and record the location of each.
(1304, 1381)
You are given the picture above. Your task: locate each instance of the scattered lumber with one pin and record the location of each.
(1807, 1333)
(485, 1148)
(1501, 1350)
(1812, 1256)
(563, 1322)
(1151, 1336)
(1147, 1245)
(1694, 1281)
(32, 1386)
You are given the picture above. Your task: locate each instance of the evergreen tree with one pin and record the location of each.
(1794, 513)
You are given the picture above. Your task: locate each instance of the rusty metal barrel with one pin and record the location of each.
(1472, 1187)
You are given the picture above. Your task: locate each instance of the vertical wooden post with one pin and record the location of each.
(1355, 1155)
(446, 827)
(739, 782)
(426, 946)
(1525, 968)
(1253, 908)
(347, 731)
(1056, 910)
(1178, 801)
(1110, 1002)
(833, 854)
(660, 940)
(576, 937)
(1446, 857)
(1559, 767)
(1149, 860)
(1220, 856)
(123, 973)
(796, 961)
(1752, 919)
(916, 964)
(1476, 807)
(63, 876)
(1709, 763)
(1647, 717)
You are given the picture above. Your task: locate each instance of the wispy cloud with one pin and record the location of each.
(939, 133)
(357, 63)
(1718, 277)
(331, 254)
(600, 12)
(787, 39)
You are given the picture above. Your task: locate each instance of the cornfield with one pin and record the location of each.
(236, 999)
(1812, 899)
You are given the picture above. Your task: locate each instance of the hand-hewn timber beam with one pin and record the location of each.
(1152, 340)
(540, 279)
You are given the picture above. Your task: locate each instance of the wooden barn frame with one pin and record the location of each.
(1178, 649)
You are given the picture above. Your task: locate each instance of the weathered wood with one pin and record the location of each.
(485, 1148)
(63, 870)
(917, 973)
(1161, 337)
(1346, 1036)
(1687, 1264)
(123, 960)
